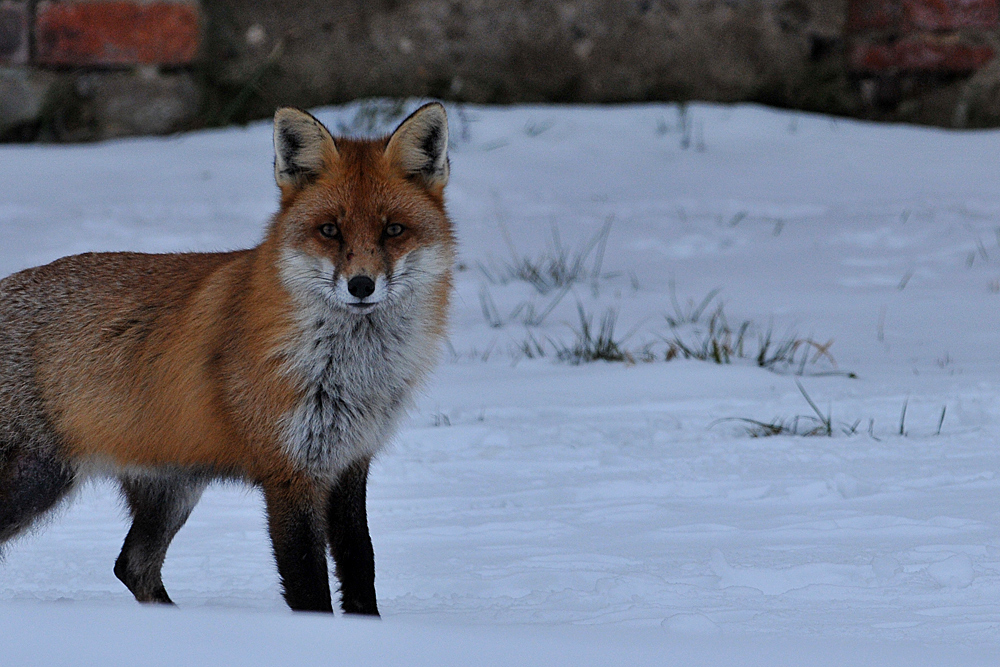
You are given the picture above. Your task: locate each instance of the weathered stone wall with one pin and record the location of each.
(501, 51)
(77, 70)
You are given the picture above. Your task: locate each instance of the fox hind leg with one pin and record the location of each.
(32, 481)
(159, 507)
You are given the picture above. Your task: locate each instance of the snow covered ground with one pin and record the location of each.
(528, 497)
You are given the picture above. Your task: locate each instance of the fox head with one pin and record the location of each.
(362, 224)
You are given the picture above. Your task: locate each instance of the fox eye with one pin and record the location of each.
(394, 229)
(329, 230)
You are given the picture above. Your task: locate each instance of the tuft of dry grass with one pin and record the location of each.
(693, 335)
(555, 269)
(816, 424)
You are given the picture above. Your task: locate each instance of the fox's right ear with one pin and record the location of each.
(302, 147)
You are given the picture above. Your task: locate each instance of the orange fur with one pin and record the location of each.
(178, 360)
(286, 365)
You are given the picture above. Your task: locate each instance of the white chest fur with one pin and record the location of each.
(358, 373)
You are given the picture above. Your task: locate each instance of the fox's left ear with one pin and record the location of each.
(420, 146)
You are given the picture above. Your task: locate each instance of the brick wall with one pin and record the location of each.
(77, 70)
(927, 60)
(921, 35)
(92, 69)
(80, 33)
(88, 33)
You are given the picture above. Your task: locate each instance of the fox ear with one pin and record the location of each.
(419, 146)
(302, 147)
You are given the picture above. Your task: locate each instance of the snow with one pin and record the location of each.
(93, 635)
(533, 511)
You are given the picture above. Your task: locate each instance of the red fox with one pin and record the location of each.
(286, 366)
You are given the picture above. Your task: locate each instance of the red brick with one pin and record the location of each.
(13, 33)
(863, 15)
(942, 15)
(872, 57)
(919, 53)
(116, 32)
(930, 53)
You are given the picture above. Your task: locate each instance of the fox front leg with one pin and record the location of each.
(299, 545)
(350, 542)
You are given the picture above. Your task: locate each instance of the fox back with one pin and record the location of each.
(287, 365)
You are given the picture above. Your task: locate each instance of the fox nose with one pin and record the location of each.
(360, 286)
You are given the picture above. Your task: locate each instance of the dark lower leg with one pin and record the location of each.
(299, 547)
(159, 507)
(350, 542)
